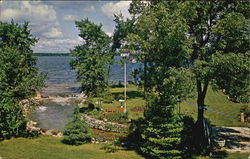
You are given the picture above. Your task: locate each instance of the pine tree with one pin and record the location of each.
(162, 134)
(76, 132)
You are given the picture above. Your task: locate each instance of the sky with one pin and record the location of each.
(53, 22)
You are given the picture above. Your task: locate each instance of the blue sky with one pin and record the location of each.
(53, 21)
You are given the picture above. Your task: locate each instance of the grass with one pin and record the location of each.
(134, 99)
(215, 100)
(236, 155)
(53, 148)
(218, 101)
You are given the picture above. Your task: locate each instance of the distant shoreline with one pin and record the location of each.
(51, 54)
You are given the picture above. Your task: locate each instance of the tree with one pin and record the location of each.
(17, 63)
(12, 121)
(92, 58)
(163, 131)
(76, 132)
(198, 36)
(19, 76)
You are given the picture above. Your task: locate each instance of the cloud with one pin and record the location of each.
(112, 8)
(89, 9)
(70, 18)
(29, 11)
(55, 45)
(53, 33)
(41, 16)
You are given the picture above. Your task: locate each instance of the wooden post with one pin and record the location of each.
(242, 117)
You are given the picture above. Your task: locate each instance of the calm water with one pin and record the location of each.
(61, 81)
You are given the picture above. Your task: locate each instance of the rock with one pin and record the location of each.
(31, 126)
(102, 125)
(49, 133)
(43, 131)
(44, 96)
(59, 134)
(55, 131)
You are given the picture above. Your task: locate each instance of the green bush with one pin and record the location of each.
(117, 117)
(76, 132)
(110, 148)
(162, 132)
(12, 121)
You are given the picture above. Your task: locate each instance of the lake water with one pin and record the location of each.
(61, 82)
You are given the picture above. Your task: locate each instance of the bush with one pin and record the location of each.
(117, 117)
(12, 121)
(110, 148)
(76, 132)
(161, 136)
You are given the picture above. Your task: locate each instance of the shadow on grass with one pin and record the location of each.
(219, 154)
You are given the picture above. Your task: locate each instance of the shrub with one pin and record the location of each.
(162, 133)
(12, 121)
(76, 132)
(110, 148)
(117, 117)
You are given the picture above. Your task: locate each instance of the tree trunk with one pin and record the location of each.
(200, 139)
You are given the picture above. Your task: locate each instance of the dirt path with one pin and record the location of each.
(237, 138)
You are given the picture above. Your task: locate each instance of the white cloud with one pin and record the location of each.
(41, 16)
(56, 45)
(53, 33)
(89, 9)
(29, 11)
(112, 8)
(70, 18)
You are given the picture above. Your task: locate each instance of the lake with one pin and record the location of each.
(61, 82)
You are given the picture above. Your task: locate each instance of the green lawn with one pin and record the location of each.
(135, 99)
(236, 155)
(215, 100)
(52, 148)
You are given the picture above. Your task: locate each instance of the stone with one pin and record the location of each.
(60, 134)
(49, 133)
(102, 125)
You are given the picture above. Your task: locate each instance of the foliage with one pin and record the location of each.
(76, 132)
(110, 147)
(232, 72)
(19, 78)
(19, 75)
(162, 133)
(208, 39)
(117, 117)
(12, 121)
(92, 58)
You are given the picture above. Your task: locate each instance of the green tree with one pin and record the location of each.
(163, 132)
(18, 64)
(12, 121)
(76, 132)
(19, 76)
(198, 36)
(92, 58)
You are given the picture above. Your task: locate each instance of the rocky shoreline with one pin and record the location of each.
(28, 105)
